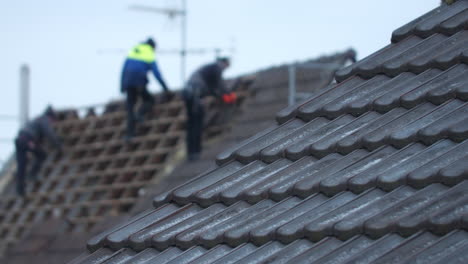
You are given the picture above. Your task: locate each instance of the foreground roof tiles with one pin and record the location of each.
(372, 169)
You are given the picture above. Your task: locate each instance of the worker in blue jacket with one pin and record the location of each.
(140, 60)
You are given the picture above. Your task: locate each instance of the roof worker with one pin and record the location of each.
(29, 140)
(140, 60)
(206, 81)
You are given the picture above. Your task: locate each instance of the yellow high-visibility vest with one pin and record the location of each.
(142, 52)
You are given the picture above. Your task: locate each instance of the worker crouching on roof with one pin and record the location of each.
(30, 139)
(140, 60)
(206, 81)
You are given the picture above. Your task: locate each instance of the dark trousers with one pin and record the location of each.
(195, 115)
(132, 96)
(22, 149)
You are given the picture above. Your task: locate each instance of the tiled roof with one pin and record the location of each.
(372, 169)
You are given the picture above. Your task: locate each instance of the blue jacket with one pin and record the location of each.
(140, 60)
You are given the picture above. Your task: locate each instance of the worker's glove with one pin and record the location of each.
(229, 98)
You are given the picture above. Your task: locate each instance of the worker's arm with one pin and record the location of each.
(49, 132)
(219, 87)
(157, 74)
(122, 85)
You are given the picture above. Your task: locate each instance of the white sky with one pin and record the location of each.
(61, 40)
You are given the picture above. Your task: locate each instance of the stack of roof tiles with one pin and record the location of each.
(372, 169)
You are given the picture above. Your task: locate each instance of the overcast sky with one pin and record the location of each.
(75, 49)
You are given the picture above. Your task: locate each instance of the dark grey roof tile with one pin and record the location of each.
(213, 255)
(440, 128)
(189, 237)
(364, 102)
(368, 178)
(289, 251)
(354, 140)
(327, 144)
(459, 132)
(275, 151)
(227, 155)
(142, 239)
(166, 256)
(289, 112)
(449, 218)
(380, 136)
(294, 229)
(120, 257)
(166, 238)
(462, 92)
(373, 64)
(409, 28)
(119, 238)
(457, 257)
(185, 193)
(309, 185)
(284, 187)
(318, 250)
(427, 26)
(186, 256)
(97, 256)
(215, 234)
(408, 248)
(399, 63)
(419, 219)
(236, 192)
(143, 256)
(251, 151)
(455, 171)
(393, 178)
(386, 221)
(334, 183)
(260, 190)
(402, 138)
(347, 250)
(323, 226)
(210, 194)
(429, 172)
(240, 234)
(311, 109)
(376, 249)
(455, 23)
(442, 55)
(263, 253)
(97, 241)
(413, 54)
(267, 231)
(391, 98)
(338, 106)
(301, 148)
(447, 79)
(237, 254)
(354, 223)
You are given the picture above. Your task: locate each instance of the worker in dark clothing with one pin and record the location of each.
(206, 81)
(140, 60)
(30, 139)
